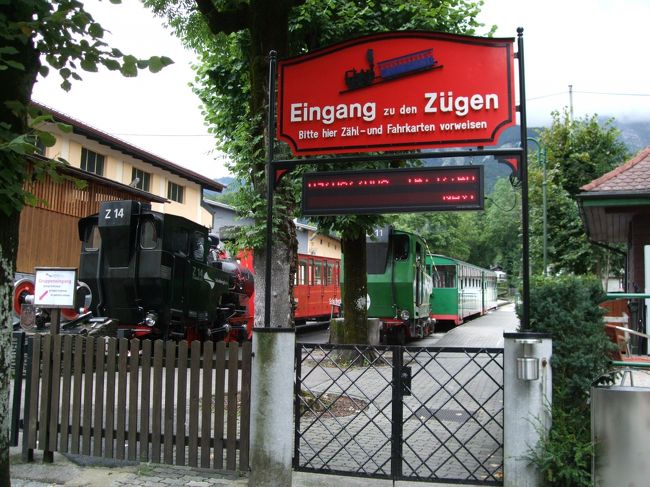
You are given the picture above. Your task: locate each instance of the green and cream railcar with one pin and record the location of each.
(460, 290)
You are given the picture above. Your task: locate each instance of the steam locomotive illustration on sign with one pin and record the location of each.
(390, 69)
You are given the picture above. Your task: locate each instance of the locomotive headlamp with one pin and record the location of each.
(404, 315)
(151, 318)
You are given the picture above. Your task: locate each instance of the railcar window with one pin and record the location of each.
(317, 272)
(302, 273)
(401, 247)
(180, 238)
(445, 276)
(377, 254)
(327, 277)
(148, 235)
(198, 246)
(93, 239)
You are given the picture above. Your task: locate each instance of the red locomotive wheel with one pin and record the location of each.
(22, 289)
(69, 314)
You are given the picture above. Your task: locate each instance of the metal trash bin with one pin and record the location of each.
(620, 431)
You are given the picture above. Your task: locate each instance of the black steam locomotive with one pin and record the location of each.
(157, 275)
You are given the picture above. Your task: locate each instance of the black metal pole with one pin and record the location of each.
(270, 187)
(523, 171)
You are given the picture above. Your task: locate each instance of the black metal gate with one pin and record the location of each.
(406, 413)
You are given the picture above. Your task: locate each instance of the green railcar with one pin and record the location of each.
(399, 288)
(460, 290)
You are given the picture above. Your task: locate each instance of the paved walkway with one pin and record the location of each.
(486, 331)
(65, 472)
(70, 471)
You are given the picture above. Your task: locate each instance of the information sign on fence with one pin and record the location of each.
(55, 287)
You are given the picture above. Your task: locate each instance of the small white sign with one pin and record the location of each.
(55, 287)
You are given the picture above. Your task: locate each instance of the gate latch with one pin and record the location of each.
(405, 380)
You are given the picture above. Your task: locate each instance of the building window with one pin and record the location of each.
(40, 147)
(92, 162)
(174, 192)
(140, 179)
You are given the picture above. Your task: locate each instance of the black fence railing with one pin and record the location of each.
(406, 413)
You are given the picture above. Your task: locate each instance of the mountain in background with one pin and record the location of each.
(228, 181)
(635, 135)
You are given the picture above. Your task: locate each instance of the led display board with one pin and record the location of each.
(393, 190)
(397, 91)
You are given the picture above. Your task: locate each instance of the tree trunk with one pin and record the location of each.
(8, 248)
(282, 274)
(16, 87)
(268, 32)
(355, 290)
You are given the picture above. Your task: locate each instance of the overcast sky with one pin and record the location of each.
(598, 46)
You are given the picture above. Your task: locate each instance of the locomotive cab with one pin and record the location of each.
(148, 272)
(399, 285)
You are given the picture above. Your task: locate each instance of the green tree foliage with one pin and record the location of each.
(233, 39)
(567, 308)
(445, 232)
(578, 151)
(36, 37)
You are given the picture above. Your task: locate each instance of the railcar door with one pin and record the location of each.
(153, 274)
(316, 288)
(301, 288)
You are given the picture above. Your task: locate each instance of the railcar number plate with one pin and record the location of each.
(115, 213)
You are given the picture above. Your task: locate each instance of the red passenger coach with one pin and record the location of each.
(316, 290)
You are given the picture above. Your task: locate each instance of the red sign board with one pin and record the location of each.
(393, 190)
(397, 91)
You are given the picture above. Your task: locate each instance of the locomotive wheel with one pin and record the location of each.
(23, 288)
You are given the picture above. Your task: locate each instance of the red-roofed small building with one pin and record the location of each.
(615, 209)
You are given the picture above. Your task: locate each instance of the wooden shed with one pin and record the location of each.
(48, 235)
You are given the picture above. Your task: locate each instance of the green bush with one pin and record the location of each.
(567, 308)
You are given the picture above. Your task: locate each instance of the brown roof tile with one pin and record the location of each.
(634, 175)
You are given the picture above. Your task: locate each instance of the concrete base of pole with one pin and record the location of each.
(337, 331)
(271, 447)
(527, 399)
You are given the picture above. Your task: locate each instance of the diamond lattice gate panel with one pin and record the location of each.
(344, 409)
(453, 417)
(402, 413)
